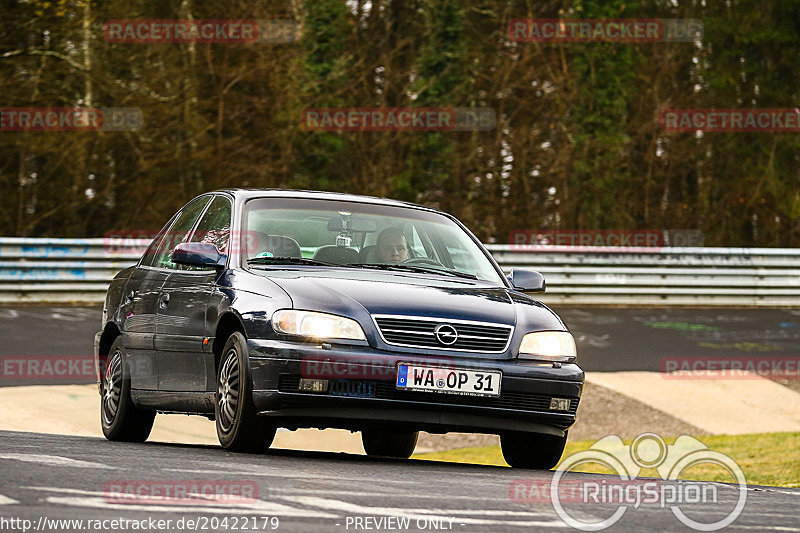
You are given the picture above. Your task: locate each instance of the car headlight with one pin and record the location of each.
(548, 346)
(316, 325)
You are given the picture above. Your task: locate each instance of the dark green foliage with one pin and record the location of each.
(577, 143)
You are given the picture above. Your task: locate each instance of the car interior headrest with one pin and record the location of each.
(337, 254)
(275, 246)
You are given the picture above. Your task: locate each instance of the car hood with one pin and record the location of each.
(409, 297)
(359, 294)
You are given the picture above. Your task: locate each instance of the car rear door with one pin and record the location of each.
(139, 305)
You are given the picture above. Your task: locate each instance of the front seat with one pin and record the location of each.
(368, 254)
(339, 255)
(276, 246)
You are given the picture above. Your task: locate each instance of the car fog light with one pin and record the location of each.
(559, 404)
(313, 385)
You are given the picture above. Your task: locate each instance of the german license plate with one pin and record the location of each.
(449, 380)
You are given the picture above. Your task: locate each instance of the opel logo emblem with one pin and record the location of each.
(446, 334)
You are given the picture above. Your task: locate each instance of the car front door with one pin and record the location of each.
(185, 359)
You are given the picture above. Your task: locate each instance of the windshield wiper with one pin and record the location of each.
(288, 261)
(414, 268)
(377, 266)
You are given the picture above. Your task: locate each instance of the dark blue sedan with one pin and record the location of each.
(273, 308)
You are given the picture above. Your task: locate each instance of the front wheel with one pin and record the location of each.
(532, 450)
(388, 443)
(239, 429)
(120, 418)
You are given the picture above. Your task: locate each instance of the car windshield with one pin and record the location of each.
(361, 235)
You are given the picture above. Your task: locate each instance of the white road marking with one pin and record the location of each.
(54, 460)
(260, 506)
(5, 500)
(293, 476)
(393, 495)
(96, 499)
(444, 515)
(9, 313)
(771, 528)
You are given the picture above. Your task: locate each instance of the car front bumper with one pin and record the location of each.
(523, 405)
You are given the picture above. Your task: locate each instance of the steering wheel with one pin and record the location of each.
(421, 261)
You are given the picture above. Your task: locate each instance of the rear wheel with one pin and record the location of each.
(120, 418)
(239, 429)
(532, 450)
(389, 443)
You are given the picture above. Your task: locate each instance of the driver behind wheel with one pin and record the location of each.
(392, 246)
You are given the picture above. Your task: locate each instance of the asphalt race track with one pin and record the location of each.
(61, 477)
(46, 477)
(609, 339)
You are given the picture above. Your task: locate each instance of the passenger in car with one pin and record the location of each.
(392, 246)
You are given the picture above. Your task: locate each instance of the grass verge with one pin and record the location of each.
(765, 458)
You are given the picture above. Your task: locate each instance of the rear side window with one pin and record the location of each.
(159, 255)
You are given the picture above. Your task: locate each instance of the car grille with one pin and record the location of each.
(421, 333)
(385, 390)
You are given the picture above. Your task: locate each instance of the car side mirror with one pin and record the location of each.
(526, 280)
(199, 254)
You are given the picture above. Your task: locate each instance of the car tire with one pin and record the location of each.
(239, 428)
(532, 450)
(389, 443)
(120, 419)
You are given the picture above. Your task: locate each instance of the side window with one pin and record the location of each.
(178, 233)
(214, 227)
(150, 253)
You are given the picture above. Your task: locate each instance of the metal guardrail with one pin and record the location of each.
(79, 270)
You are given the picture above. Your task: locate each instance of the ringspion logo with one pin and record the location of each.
(647, 451)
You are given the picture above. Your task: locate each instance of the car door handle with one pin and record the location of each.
(164, 301)
(129, 298)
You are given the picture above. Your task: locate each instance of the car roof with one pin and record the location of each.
(245, 194)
